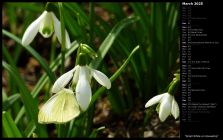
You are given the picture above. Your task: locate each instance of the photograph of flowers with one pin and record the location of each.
(90, 70)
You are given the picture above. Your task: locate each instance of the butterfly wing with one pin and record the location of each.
(70, 108)
(60, 108)
(45, 113)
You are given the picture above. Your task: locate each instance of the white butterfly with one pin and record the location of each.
(60, 108)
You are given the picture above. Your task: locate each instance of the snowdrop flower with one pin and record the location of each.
(167, 106)
(60, 108)
(81, 78)
(46, 24)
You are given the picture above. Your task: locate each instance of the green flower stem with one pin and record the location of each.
(99, 92)
(90, 116)
(52, 49)
(46, 6)
(77, 57)
(62, 26)
(58, 126)
(63, 47)
(174, 85)
(91, 15)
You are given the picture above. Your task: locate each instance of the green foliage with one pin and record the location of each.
(9, 127)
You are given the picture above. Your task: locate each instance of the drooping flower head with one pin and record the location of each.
(167, 105)
(45, 24)
(81, 78)
(166, 102)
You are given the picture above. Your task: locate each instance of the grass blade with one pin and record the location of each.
(94, 133)
(114, 76)
(107, 43)
(27, 99)
(7, 103)
(32, 7)
(30, 129)
(34, 54)
(9, 126)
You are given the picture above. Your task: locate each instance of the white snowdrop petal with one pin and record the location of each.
(101, 78)
(83, 90)
(67, 38)
(46, 27)
(76, 75)
(175, 109)
(62, 81)
(165, 107)
(57, 29)
(154, 100)
(32, 30)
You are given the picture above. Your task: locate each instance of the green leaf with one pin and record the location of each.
(113, 8)
(140, 10)
(32, 7)
(99, 92)
(12, 18)
(94, 133)
(34, 53)
(77, 10)
(62, 29)
(72, 25)
(4, 95)
(30, 129)
(6, 104)
(107, 43)
(9, 126)
(27, 99)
